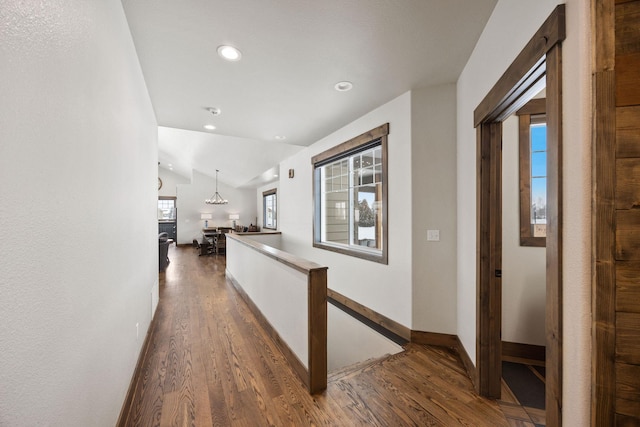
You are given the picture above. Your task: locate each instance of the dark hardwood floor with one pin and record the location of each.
(210, 363)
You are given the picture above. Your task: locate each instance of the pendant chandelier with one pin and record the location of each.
(216, 199)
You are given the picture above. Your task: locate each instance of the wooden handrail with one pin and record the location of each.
(297, 263)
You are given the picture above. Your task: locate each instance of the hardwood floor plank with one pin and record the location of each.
(447, 396)
(147, 406)
(211, 363)
(392, 406)
(213, 375)
(200, 384)
(356, 405)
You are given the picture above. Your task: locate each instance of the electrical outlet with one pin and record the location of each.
(433, 235)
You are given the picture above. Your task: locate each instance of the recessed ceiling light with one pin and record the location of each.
(209, 127)
(170, 165)
(229, 53)
(275, 176)
(343, 86)
(280, 137)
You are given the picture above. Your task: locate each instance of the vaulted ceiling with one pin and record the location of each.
(293, 53)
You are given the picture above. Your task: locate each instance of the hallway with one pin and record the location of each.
(210, 363)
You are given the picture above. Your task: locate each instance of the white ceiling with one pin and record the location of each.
(240, 160)
(294, 52)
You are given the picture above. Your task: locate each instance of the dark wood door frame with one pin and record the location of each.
(540, 60)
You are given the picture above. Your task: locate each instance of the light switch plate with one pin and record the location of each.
(433, 235)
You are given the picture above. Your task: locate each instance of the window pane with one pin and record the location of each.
(378, 176)
(539, 164)
(367, 159)
(335, 169)
(350, 211)
(367, 176)
(533, 174)
(356, 161)
(538, 200)
(355, 176)
(348, 192)
(377, 153)
(166, 210)
(335, 221)
(538, 180)
(336, 183)
(270, 215)
(367, 216)
(538, 137)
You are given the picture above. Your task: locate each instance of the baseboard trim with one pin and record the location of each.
(373, 316)
(450, 341)
(295, 363)
(515, 352)
(373, 325)
(125, 412)
(467, 362)
(434, 338)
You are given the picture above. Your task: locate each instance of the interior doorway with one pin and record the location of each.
(524, 260)
(537, 66)
(167, 217)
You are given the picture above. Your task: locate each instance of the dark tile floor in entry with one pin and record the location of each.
(523, 394)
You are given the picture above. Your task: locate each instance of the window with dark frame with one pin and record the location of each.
(350, 197)
(269, 209)
(533, 173)
(166, 208)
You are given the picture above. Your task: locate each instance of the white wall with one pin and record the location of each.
(269, 283)
(272, 239)
(433, 173)
(386, 289)
(523, 267)
(350, 341)
(511, 25)
(78, 260)
(190, 204)
(170, 181)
